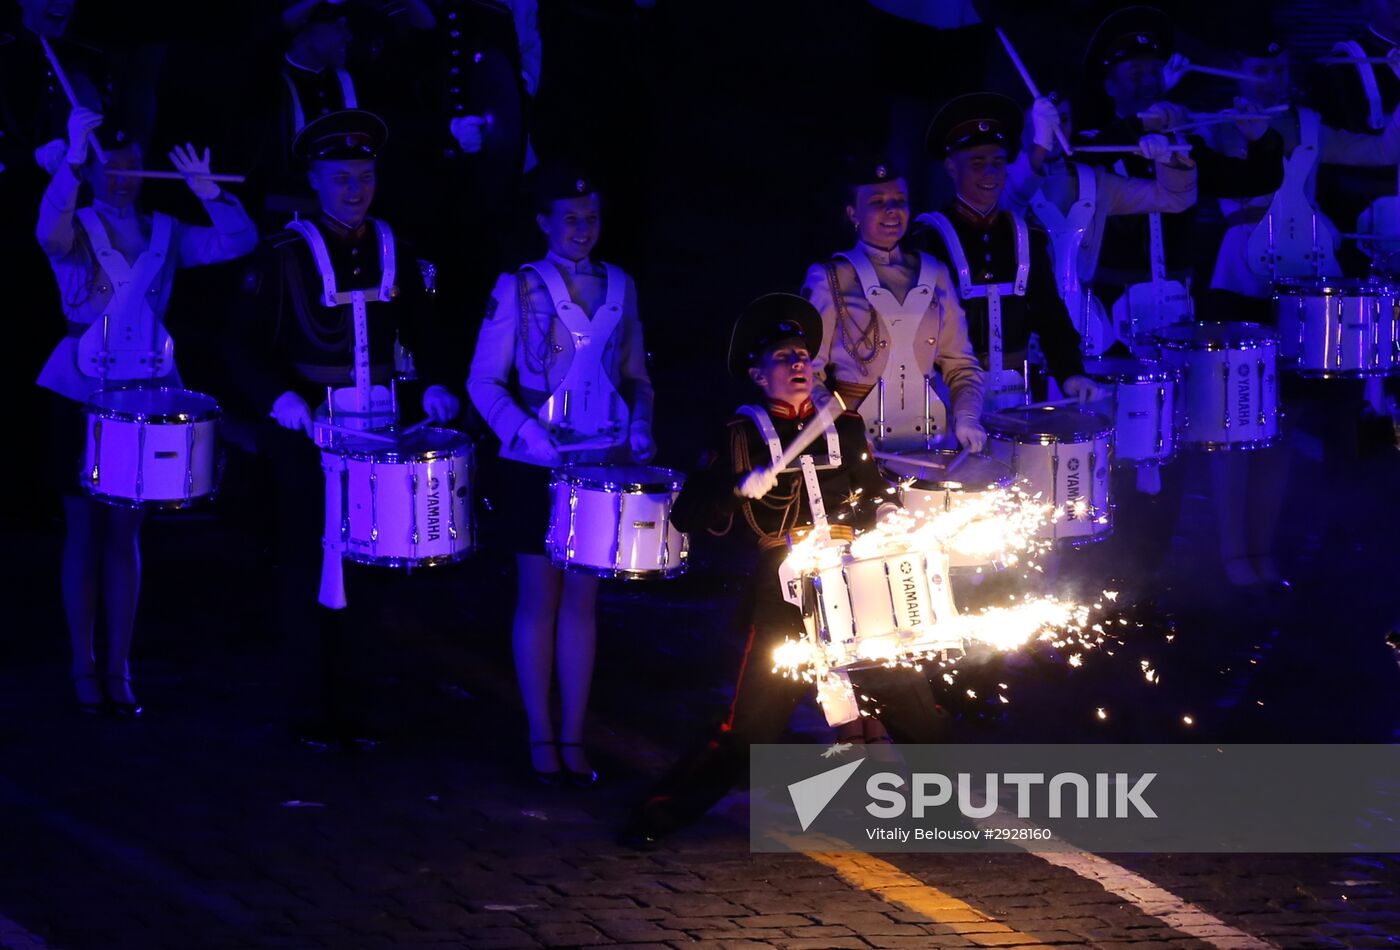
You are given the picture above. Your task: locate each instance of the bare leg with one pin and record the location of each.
(578, 636)
(532, 642)
(82, 543)
(1268, 481)
(121, 589)
(1228, 472)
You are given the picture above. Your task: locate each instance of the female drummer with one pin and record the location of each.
(1264, 242)
(114, 261)
(559, 374)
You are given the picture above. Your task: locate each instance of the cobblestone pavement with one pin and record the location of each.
(204, 826)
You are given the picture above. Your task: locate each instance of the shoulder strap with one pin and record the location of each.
(320, 255)
(865, 271)
(162, 226)
(1309, 127)
(939, 222)
(553, 283)
(1046, 211)
(1369, 87)
(347, 89)
(1088, 184)
(616, 295)
(298, 116)
(928, 272)
(1023, 252)
(761, 419)
(388, 262)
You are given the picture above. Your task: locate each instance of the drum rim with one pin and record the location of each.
(623, 573)
(210, 414)
(570, 476)
(394, 456)
(396, 561)
(1330, 286)
(166, 504)
(1268, 337)
(963, 485)
(1248, 445)
(1162, 373)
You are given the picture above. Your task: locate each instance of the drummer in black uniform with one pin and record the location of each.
(737, 488)
(1002, 269)
(288, 347)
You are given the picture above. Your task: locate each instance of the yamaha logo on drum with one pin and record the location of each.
(434, 525)
(908, 595)
(1242, 400)
(1073, 488)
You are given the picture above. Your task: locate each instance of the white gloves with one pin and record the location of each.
(470, 132)
(639, 438)
(1045, 120)
(1155, 146)
(1083, 388)
(534, 438)
(759, 482)
(195, 168)
(970, 434)
(291, 412)
(439, 404)
(1175, 70)
(81, 124)
(1164, 115)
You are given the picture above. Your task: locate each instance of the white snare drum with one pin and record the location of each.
(615, 521)
(1229, 384)
(864, 612)
(931, 487)
(151, 447)
(1144, 400)
(1064, 455)
(400, 505)
(1338, 327)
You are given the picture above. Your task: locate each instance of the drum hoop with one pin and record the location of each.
(1043, 438)
(1152, 376)
(923, 484)
(1289, 287)
(395, 457)
(159, 418)
(1266, 337)
(564, 477)
(435, 560)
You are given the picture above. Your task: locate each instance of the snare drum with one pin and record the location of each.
(151, 447)
(864, 612)
(1064, 455)
(615, 521)
(1338, 327)
(929, 487)
(1229, 385)
(1144, 398)
(404, 504)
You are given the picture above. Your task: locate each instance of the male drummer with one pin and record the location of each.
(737, 485)
(1001, 268)
(115, 266)
(322, 307)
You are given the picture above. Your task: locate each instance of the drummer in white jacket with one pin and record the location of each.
(559, 374)
(114, 266)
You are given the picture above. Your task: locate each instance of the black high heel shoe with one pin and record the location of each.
(578, 779)
(89, 708)
(120, 708)
(546, 776)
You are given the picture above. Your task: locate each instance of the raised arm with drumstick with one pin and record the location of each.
(114, 266)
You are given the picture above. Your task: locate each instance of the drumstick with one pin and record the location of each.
(808, 435)
(413, 428)
(176, 176)
(68, 91)
(1030, 83)
(359, 433)
(1222, 73)
(1128, 148)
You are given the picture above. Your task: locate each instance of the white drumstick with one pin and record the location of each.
(1030, 84)
(176, 176)
(414, 428)
(1223, 73)
(62, 78)
(358, 433)
(1136, 149)
(809, 435)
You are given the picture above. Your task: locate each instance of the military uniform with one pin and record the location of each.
(852, 491)
(286, 338)
(997, 254)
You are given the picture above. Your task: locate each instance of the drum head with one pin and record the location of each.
(931, 471)
(1123, 369)
(1214, 336)
(627, 479)
(421, 445)
(1047, 423)
(153, 404)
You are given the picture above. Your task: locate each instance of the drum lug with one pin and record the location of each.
(373, 509)
(413, 512)
(189, 461)
(1225, 394)
(617, 531)
(140, 459)
(95, 477)
(452, 498)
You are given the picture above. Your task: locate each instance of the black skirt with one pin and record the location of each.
(515, 499)
(67, 443)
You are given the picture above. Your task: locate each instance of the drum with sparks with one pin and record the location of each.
(151, 447)
(941, 481)
(1144, 416)
(1334, 327)
(1064, 455)
(400, 504)
(1229, 384)
(615, 521)
(871, 611)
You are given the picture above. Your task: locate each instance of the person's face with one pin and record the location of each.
(1134, 84)
(571, 226)
(1271, 79)
(328, 42)
(345, 188)
(108, 183)
(978, 173)
(46, 17)
(881, 212)
(785, 372)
